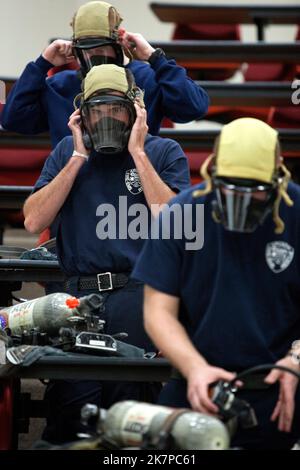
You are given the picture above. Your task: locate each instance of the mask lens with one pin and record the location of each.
(243, 208)
(108, 124)
(98, 51)
(98, 56)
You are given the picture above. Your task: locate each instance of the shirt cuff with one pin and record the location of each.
(43, 64)
(159, 61)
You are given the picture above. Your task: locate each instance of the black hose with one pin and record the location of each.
(263, 368)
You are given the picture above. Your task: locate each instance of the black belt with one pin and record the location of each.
(101, 282)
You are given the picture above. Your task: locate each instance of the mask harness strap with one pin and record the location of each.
(281, 194)
(207, 178)
(208, 186)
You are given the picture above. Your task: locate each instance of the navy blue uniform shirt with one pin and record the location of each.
(102, 180)
(239, 294)
(38, 104)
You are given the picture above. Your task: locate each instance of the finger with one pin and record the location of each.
(276, 411)
(126, 41)
(143, 115)
(277, 406)
(74, 122)
(288, 406)
(70, 58)
(195, 401)
(284, 422)
(62, 49)
(207, 411)
(121, 31)
(284, 410)
(130, 37)
(75, 118)
(140, 111)
(223, 374)
(198, 405)
(69, 51)
(66, 50)
(287, 419)
(75, 113)
(139, 114)
(273, 376)
(239, 383)
(205, 400)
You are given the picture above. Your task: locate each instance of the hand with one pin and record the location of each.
(59, 52)
(139, 132)
(74, 125)
(199, 379)
(285, 406)
(136, 44)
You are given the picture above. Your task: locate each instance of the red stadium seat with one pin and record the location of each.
(270, 72)
(20, 167)
(6, 415)
(285, 117)
(196, 159)
(206, 32)
(211, 71)
(289, 116)
(266, 73)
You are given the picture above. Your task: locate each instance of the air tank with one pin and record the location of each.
(48, 313)
(127, 421)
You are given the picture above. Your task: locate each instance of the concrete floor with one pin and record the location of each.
(19, 237)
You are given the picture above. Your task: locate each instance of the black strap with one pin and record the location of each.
(160, 440)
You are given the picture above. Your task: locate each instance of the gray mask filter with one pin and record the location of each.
(110, 136)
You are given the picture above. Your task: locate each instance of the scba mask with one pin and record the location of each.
(247, 176)
(95, 35)
(242, 205)
(97, 51)
(108, 120)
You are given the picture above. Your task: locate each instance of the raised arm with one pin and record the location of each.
(182, 99)
(42, 207)
(156, 190)
(25, 110)
(167, 333)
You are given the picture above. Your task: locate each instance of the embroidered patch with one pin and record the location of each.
(279, 256)
(133, 182)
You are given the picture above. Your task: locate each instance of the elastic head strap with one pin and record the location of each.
(206, 176)
(281, 194)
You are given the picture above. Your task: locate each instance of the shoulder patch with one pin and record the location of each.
(279, 256)
(133, 182)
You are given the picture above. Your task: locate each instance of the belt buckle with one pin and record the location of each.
(109, 281)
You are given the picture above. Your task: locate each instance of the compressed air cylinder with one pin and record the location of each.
(47, 314)
(127, 421)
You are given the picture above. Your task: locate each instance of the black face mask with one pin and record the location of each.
(99, 60)
(109, 136)
(82, 47)
(108, 121)
(239, 209)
